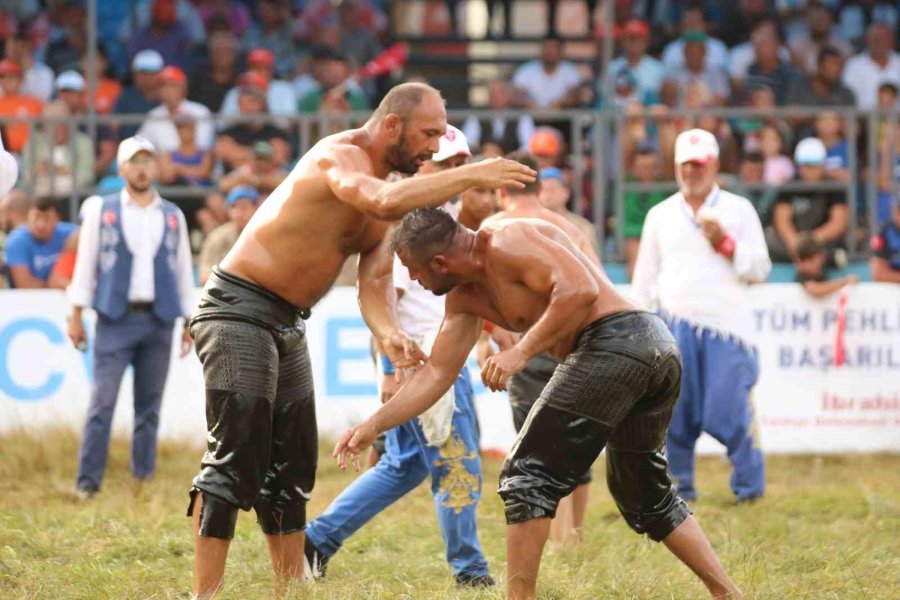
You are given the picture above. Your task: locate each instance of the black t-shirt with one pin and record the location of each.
(810, 209)
(246, 135)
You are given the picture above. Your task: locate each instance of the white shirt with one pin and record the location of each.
(159, 128)
(863, 76)
(38, 81)
(9, 170)
(716, 54)
(280, 98)
(742, 58)
(678, 271)
(546, 88)
(648, 73)
(143, 228)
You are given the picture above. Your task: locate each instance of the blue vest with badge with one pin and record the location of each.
(115, 260)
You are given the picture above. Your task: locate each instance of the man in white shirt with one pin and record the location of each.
(134, 269)
(699, 250)
(280, 94)
(549, 82)
(865, 72)
(693, 20)
(647, 71)
(37, 78)
(159, 128)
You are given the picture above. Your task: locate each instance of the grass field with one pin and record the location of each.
(827, 529)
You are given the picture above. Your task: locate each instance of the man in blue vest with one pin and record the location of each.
(134, 269)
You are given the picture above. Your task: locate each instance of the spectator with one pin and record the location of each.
(546, 146)
(334, 92)
(823, 214)
(165, 34)
(809, 263)
(14, 210)
(555, 195)
(743, 55)
(242, 202)
(855, 17)
(769, 65)
(820, 34)
(263, 172)
(751, 184)
(476, 203)
(647, 71)
(140, 97)
(761, 98)
(37, 78)
(509, 133)
(829, 128)
(885, 261)
(213, 213)
(645, 169)
(54, 165)
(696, 71)
(280, 95)
(319, 13)
(188, 164)
(742, 17)
(549, 82)
(134, 268)
(33, 249)
(185, 13)
(272, 31)
(693, 21)
(233, 12)
(65, 52)
(108, 88)
(15, 104)
(590, 7)
(70, 89)
(878, 64)
(233, 147)
(358, 43)
(778, 168)
(824, 87)
(217, 73)
(159, 129)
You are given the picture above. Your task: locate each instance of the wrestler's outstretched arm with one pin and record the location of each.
(457, 335)
(348, 170)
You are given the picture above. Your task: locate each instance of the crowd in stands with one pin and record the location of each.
(215, 86)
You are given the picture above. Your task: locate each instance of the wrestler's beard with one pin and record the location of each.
(400, 159)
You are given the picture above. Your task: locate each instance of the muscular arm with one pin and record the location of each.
(882, 271)
(836, 225)
(348, 171)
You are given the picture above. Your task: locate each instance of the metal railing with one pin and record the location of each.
(586, 130)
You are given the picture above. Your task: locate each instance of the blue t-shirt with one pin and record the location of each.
(838, 156)
(22, 250)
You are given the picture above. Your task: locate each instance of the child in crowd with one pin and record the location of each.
(830, 129)
(809, 261)
(778, 167)
(189, 164)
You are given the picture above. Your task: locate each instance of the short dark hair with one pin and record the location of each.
(402, 100)
(807, 246)
(425, 232)
(828, 51)
(528, 159)
(45, 203)
(754, 157)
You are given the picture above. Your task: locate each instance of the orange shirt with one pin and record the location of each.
(107, 92)
(18, 106)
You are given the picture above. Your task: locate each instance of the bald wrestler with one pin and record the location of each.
(249, 330)
(615, 388)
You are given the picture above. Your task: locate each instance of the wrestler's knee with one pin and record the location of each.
(528, 493)
(217, 516)
(280, 518)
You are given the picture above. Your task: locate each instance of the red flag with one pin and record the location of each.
(839, 349)
(390, 60)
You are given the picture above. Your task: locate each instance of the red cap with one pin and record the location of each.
(260, 57)
(635, 28)
(602, 29)
(544, 142)
(253, 79)
(164, 12)
(10, 67)
(172, 75)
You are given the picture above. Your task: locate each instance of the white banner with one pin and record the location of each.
(804, 403)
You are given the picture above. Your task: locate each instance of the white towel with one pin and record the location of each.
(437, 420)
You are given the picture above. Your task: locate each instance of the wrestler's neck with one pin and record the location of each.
(522, 204)
(472, 247)
(696, 200)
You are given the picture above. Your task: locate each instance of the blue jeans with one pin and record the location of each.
(455, 469)
(142, 340)
(717, 378)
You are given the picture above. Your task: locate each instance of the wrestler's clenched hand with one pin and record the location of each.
(496, 173)
(500, 367)
(403, 351)
(352, 443)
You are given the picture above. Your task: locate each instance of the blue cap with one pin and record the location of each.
(551, 173)
(242, 192)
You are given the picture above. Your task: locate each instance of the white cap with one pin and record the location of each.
(70, 80)
(695, 145)
(453, 143)
(148, 61)
(131, 146)
(810, 151)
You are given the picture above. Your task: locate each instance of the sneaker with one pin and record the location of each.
(469, 580)
(316, 563)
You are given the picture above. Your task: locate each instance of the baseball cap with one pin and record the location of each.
(172, 74)
(544, 142)
(551, 173)
(253, 81)
(635, 28)
(810, 151)
(242, 192)
(131, 146)
(695, 145)
(10, 67)
(70, 81)
(453, 143)
(147, 61)
(260, 57)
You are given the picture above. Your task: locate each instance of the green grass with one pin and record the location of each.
(828, 529)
